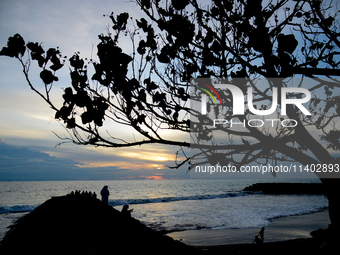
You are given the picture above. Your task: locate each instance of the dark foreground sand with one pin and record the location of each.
(281, 229)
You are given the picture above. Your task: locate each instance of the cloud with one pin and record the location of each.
(28, 163)
(24, 163)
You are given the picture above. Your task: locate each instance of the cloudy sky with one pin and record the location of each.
(27, 143)
(28, 148)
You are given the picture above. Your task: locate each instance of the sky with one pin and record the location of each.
(28, 145)
(29, 148)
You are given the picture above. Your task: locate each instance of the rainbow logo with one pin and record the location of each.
(209, 93)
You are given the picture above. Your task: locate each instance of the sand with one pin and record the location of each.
(281, 229)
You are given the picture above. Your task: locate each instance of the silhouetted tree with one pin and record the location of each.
(148, 88)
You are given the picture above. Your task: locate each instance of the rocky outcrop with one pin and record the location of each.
(287, 188)
(84, 225)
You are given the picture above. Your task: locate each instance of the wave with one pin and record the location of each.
(117, 202)
(17, 208)
(256, 222)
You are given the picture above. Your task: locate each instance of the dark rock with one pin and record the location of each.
(287, 188)
(74, 225)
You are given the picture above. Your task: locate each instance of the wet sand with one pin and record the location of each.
(281, 229)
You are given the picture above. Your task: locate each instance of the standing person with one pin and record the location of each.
(261, 234)
(105, 194)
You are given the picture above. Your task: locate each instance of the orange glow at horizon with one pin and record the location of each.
(154, 156)
(154, 177)
(122, 165)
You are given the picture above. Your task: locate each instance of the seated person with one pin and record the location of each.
(126, 213)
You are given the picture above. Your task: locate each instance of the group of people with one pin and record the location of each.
(125, 213)
(83, 194)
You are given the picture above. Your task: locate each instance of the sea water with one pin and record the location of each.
(171, 205)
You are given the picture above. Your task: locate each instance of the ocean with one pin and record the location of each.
(171, 205)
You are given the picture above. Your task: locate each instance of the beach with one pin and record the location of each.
(184, 208)
(281, 229)
(210, 216)
(84, 225)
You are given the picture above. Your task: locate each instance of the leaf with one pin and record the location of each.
(298, 14)
(76, 62)
(329, 21)
(82, 99)
(163, 58)
(121, 22)
(141, 118)
(125, 59)
(86, 117)
(64, 112)
(287, 43)
(36, 52)
(68, 95)
(56, 63)
(143, 24)
(141, 47)
(15, 47)
(71, 123)
(47, 76)
(179, 4)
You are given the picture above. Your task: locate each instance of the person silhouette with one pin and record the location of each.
(105, 194)
(259, 238)
(126, 213)
(261, 234)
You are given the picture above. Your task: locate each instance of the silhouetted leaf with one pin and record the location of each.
(179, 4)
(64, 112)
(141, 47)
(71, 123)
(56, 62)
(37, 52)
(141, 118)
(86, 117)
(15, 47)
(121, 22)
(328, 21)
(143, 24)
(68, 95)
(299, 14)
(47, 76)
(82, 99)
(76, 62)
(287, 43)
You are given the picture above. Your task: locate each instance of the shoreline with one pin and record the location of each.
(280, 229)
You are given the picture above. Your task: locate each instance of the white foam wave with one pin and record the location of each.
(17, 208)
(117, 202)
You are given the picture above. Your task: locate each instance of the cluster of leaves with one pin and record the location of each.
(16, 48)
(333, 139)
